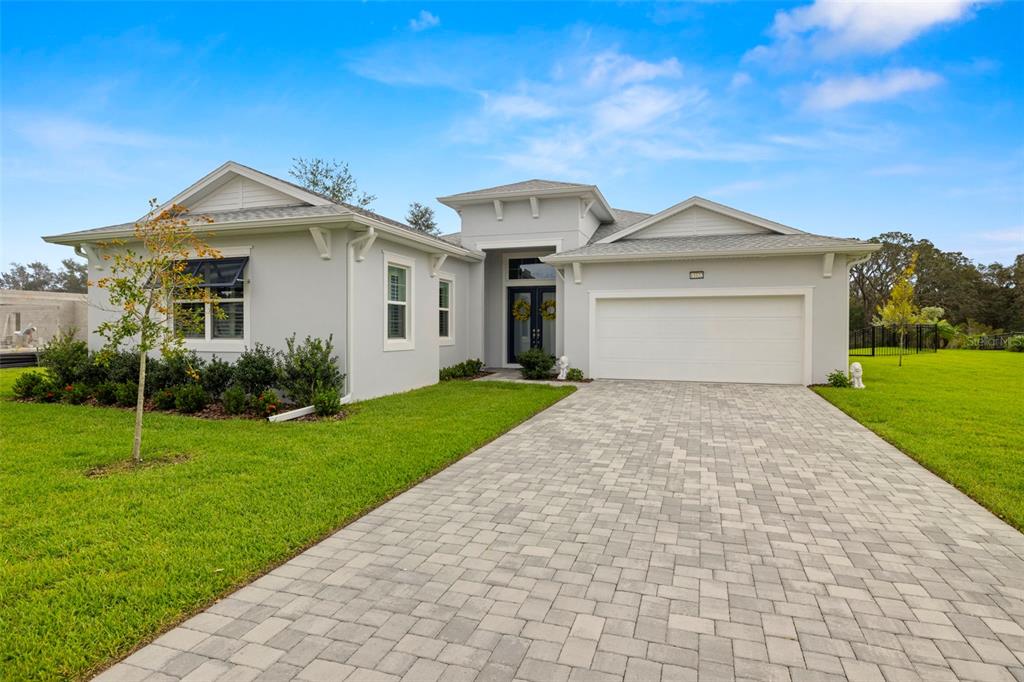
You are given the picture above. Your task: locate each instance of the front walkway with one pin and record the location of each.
(648, 531)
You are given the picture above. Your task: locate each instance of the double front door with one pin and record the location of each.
(531, 320)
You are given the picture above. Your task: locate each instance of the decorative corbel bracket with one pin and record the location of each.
(322, 239)
(585, 207)
(436, 261)
(827, 262)
(535, 207)
(498, 207)
(577, 273)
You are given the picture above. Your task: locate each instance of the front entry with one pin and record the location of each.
(531, 320)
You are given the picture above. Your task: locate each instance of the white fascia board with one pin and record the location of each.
(691, 255)
(288, 224)
(706, 204)
(455, 201)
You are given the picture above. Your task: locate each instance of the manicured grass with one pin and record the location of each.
(92, 567)
(959, 413)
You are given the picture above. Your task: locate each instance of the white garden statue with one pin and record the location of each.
(24, 337)
(563, 367)
(856, 375)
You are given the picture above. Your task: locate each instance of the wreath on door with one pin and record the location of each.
(521, 310)
(547, 309)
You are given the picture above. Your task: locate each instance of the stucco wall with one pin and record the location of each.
(49, 312)
(467, 298)
(559, 220)
(829, 308)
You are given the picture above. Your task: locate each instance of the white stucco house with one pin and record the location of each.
(696, 292)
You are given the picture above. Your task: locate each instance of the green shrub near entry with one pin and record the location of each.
(1015, 344)
(838, 379)
(176, 369)
(75, 394)
(266, 403)
(125, 394)
(122, 366)
(574, 374)
(234, 400)
(536, 364)
(106, 393)
(164, 399)
(217, 375)
(463, 370)
(327, 402)
(66, 358)
(26, 385)
(190, 398)
(256, 369)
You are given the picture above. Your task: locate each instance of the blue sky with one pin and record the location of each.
(842, 119)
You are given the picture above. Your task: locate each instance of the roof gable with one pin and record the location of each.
(233, 187)
(698, 217)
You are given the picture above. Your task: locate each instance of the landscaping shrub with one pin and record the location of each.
(1015, 344)
(256, 369)
(65, 357)
(327, 402)
(164, 399)
(75, 394)
(126, 393)
(266, 403)
(106, 393)
(189, 398)
(234, 400)
(462, 370)
(122, 365)
(308, 368)
(536, 364)
(838, 379)
(217, 376)
(26, 385)
(47, 391)
(176, 369)
(574, 374)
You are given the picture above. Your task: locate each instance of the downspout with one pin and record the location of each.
(366, 239)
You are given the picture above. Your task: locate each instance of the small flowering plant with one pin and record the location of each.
(266, 403)
(76, 394)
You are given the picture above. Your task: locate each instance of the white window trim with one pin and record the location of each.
(524, 282)
(450, 279)
(209, 344)
(408, 343)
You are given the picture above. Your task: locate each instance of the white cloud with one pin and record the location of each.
(831, 28)
(517, 106)
(614, 69)
(836, 93)
(740, 79)
(61, 133)
(1013, 235)
(423, 21)
(900, 169)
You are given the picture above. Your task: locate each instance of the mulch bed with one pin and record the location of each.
(213, 411)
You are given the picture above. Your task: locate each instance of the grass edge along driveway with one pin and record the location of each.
(958, 413)
(90, 568)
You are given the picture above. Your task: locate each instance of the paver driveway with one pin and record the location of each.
(642, 531)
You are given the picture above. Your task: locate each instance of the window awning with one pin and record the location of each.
(219, 273)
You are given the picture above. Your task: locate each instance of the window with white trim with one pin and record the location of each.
(444, 310)
(224, 278)
(398, 303)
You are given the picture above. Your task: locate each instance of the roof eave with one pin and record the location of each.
(436, 244)
(455, 201)
(565, 258)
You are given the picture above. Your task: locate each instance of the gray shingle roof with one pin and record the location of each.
(667, 247)
(524, 186)
(623, 219)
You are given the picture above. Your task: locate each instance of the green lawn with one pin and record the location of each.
(92, 567)
(959, 413)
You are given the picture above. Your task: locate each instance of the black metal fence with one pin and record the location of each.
(917, 338)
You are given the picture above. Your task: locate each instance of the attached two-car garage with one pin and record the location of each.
(713, 338)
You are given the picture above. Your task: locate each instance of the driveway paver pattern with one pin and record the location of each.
(640, 531)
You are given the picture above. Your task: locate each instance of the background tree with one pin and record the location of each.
(331, 178)
(145, 285)
(421, 217)
(899, 312)
(39, 276)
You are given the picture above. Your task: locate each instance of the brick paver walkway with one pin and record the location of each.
(647, 531)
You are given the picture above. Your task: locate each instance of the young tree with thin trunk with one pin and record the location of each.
(899, 312)
(148, 276)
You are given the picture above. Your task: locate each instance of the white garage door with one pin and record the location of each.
(755, 339)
